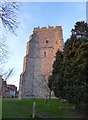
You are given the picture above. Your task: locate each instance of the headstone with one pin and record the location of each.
(45, 101)
(34, 105)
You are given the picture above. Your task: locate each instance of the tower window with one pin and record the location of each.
(47, 41)
(44, 54)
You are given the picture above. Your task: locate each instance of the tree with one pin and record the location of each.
(3, 51)
(8, 74)
(9, 22)
(53, 79)
(8, 15)
(80, 30)
(71, 79)
(76, 57)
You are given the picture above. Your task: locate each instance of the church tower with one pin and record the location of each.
(40, 55)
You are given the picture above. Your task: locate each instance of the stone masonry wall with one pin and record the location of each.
(40, 55)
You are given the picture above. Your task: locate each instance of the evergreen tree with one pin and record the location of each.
(69, 79)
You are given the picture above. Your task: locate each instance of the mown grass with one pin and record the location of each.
(57, 109)
(14, 108)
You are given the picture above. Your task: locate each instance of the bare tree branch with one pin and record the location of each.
(3, 51)
(8, 15)
(8, 74)
(8, 20)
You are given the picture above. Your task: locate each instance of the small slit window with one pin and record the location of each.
(44, 54)
(47, 41)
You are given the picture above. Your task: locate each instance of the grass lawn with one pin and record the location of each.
(14, 108)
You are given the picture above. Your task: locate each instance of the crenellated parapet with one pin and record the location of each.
(38, 29)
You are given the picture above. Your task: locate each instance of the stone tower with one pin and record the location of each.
(40, 55)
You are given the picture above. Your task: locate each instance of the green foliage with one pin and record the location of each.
(80, 30)
(69, 79)
(58, 62)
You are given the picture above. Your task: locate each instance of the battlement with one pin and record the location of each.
(40, 55)
(37, 29)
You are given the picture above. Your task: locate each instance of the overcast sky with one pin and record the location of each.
(42, 14)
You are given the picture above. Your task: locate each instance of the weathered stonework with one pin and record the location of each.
(40, 55)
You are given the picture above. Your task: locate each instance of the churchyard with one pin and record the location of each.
(54, 108)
